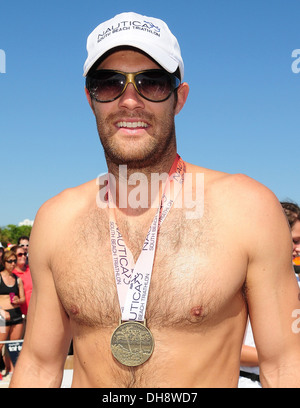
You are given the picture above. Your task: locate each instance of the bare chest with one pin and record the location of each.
(189, 284)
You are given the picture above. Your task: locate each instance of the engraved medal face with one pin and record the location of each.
(132, 343)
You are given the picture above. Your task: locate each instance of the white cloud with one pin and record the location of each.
(26, 222)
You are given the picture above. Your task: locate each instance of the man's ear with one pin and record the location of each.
(182, 94)
(89, 99)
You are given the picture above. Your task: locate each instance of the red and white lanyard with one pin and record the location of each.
(133, 279)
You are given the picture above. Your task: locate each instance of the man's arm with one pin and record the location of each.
(47, 336)
(272, 291)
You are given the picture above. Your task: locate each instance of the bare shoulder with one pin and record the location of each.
(68, 203)
(54, 219)
(242, 200)
(239, 188)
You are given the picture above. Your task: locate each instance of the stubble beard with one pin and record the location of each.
(149, 153)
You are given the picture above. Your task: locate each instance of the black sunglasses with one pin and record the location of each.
(155, 85)
(21, 254)
(12, 261)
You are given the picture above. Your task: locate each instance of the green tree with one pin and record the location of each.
(11, 233)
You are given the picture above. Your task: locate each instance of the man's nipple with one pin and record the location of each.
(74, 310)
(197, 311)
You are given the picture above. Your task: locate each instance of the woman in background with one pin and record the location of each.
(11, 297)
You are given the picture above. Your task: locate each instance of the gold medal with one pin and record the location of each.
(132, 343)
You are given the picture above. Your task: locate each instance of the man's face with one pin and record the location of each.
(25, 244)
(132, 130)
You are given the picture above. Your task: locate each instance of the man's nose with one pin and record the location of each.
(130, 99)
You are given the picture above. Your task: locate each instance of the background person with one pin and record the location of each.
(1, 256)
(23, 242)
(11, 298)
(22, 270)
(292, 212)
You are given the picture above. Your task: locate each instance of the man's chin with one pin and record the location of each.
(132, 156)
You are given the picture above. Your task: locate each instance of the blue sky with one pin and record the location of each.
(242, 115)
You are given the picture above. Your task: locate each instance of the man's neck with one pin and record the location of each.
(162, 165)
(136, 189)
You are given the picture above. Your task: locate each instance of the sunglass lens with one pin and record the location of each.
(155, 85)
(107, 86)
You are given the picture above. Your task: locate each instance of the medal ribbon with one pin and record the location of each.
(133, 280)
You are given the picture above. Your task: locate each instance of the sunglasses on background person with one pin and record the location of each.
(155, 85)
(12, 261)
(21, 254)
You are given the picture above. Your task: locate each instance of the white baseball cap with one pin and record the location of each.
(148, 34)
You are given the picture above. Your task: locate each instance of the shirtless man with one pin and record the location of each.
(198, 302)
